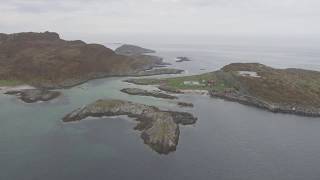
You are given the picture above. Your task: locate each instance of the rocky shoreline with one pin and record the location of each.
(159, 129)
(275, 108)
(141, 92)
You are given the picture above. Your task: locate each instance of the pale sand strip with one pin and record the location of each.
(4, 89)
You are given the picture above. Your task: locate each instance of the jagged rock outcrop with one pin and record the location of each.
(34, 95)
(163, 134)
(160, 129)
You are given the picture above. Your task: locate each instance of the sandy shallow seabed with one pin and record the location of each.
(4, 89)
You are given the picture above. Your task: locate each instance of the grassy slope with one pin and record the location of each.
(290, 86)
(10, 83)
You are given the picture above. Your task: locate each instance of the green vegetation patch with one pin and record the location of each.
(10, 82)
(218, 81)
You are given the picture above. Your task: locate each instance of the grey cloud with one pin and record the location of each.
(163, 16)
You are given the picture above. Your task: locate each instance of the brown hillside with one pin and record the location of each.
(45, 60)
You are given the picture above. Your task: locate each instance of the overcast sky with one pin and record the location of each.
(240, 17)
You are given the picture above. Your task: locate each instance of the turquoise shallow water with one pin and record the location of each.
(230, 141)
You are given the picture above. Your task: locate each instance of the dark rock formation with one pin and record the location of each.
(35, 95)
(182, 59)
(141, 92)
(163, 133)
(160, 129)
(184, 104)
(183, 118)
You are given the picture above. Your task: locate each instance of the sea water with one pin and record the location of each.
(229, 142)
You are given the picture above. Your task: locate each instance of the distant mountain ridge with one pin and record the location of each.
(25, 36)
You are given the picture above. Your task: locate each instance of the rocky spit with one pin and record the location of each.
(159, 129)
(141, 92)
(34, 95)
(159, 71)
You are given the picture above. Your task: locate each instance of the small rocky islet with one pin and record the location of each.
(159, 129)
(34, 95)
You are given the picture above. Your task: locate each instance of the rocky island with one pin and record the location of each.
(141, 92)
(294, 91)
(159, 129)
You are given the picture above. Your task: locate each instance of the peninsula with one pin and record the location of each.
(294, 91)
(141, 92)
